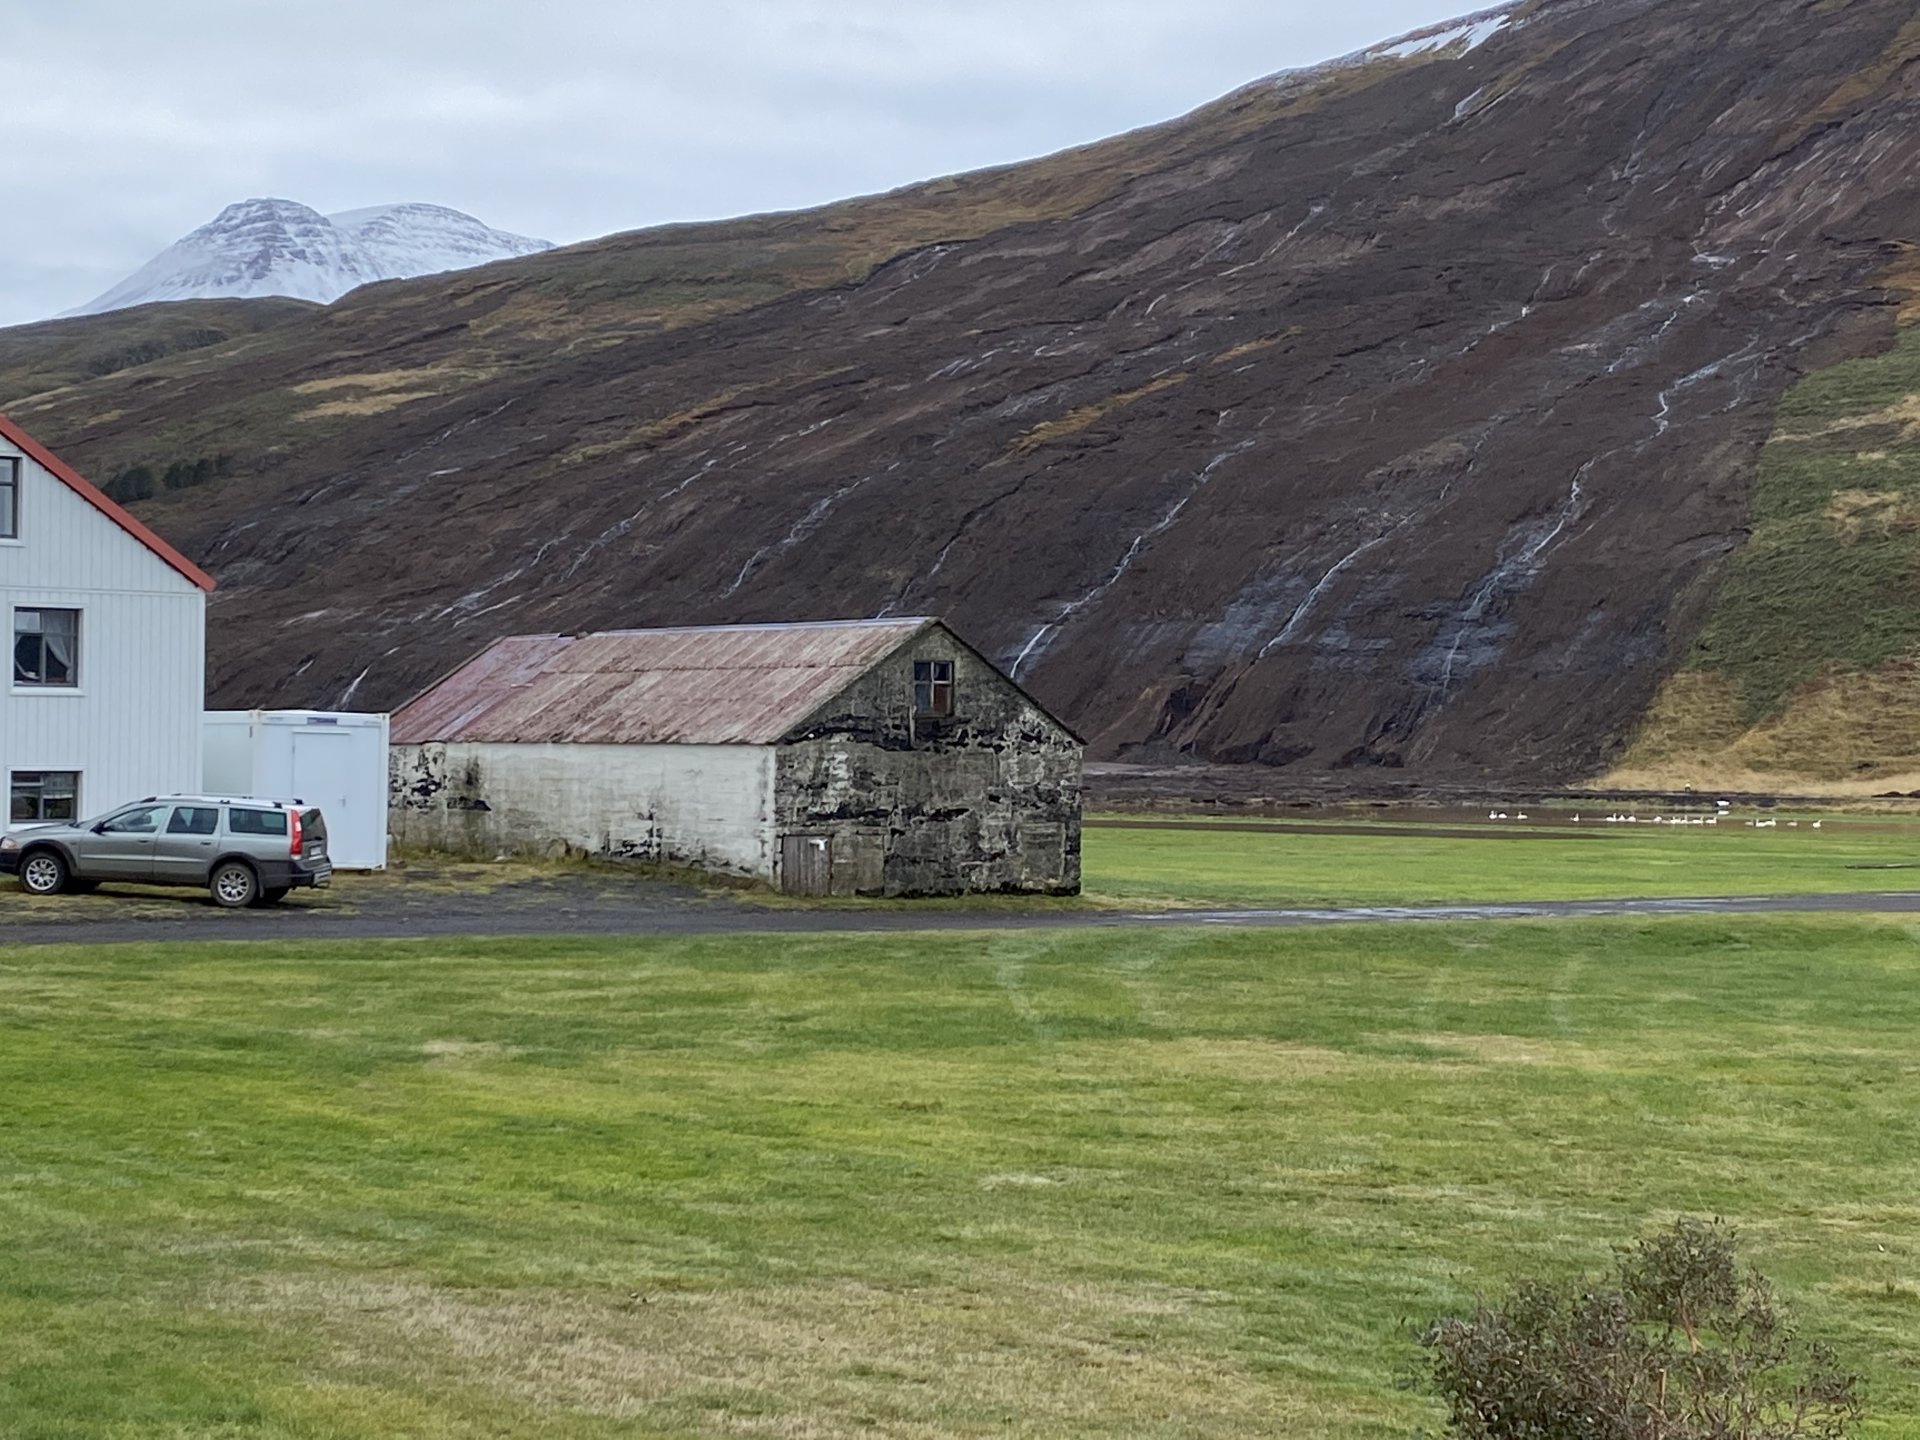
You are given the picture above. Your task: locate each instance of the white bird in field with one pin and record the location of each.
(1521, 816)
(1493, 814)
(1816, 824)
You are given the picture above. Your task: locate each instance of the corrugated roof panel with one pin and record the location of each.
(717, 685)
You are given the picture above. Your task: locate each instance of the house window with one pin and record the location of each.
(39, 796)
(9, 498)
(933, 687)
(46, 647)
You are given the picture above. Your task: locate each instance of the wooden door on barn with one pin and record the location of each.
(806, 864)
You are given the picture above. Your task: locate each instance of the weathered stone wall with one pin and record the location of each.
(707, 806)
(985, 800)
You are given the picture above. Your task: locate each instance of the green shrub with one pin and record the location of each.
(133, 483)
(1679, 1343)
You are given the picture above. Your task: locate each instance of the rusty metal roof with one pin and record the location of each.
(711, 685)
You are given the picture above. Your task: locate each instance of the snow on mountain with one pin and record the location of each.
(281, 247)
(1475, 32)
(408, 240)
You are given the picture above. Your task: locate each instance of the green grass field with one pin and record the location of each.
(1176, 1183)
(1396, 866)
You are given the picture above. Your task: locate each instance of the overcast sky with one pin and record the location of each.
(132, 122)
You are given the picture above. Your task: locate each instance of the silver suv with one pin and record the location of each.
(246, 852)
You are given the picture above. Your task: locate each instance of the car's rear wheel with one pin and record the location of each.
(44, 873)
(233, 885)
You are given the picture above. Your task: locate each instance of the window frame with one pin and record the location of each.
(933, 689)
(14, 788)
(21, 682)
(10, 487)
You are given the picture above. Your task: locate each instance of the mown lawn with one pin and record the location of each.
(1176, 1183)
(1398, 866)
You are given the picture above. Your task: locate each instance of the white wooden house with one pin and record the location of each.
(107, 633)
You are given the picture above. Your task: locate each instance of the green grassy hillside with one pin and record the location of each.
(1809, 665)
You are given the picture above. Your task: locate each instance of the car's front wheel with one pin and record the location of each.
(233, 885)
(44, 873)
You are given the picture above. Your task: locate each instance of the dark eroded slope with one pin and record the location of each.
(1399, 416)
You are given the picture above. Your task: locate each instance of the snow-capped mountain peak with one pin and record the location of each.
(281, 247)
(416, 239)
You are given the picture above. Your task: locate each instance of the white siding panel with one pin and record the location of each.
(132, 726)
(704, 805)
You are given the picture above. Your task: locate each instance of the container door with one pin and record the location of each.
(806, 864)
(322, 766)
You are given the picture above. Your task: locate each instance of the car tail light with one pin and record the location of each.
(293, 846)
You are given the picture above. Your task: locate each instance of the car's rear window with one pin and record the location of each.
(313, 826)
(256, 822)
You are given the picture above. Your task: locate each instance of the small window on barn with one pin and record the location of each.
(9, 498)
(933, 687)
(46, 648)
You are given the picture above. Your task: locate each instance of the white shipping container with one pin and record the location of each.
(335, 761)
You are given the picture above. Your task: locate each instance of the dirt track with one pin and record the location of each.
(588, 904)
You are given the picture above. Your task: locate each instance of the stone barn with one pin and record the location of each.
(859, 757)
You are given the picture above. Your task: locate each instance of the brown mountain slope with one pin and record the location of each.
(1404, 414)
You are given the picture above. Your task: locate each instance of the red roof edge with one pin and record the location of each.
(72, 479)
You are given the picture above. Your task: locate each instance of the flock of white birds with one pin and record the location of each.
(1721, 813)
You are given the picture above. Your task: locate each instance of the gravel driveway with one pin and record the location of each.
(423, 901)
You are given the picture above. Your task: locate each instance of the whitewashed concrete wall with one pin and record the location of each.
(709, 806)
(132, 725)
